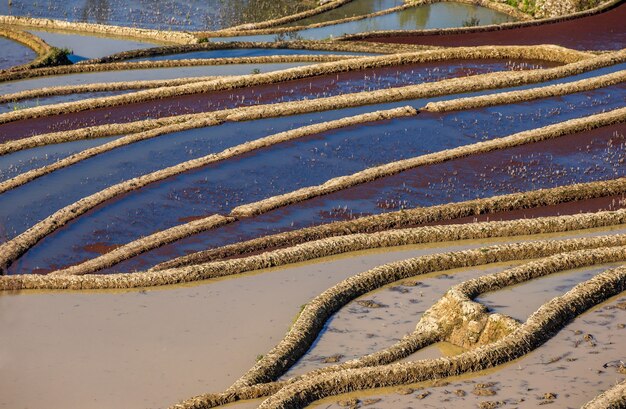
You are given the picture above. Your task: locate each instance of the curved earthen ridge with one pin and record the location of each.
(323, 7)
(14, 248)
(614, 398)
(97, 87)
(144, 65)
(311, 45)
(511, 97)
(582, 62)
(539, 328)
(29, 40)
(370, 174)
(455, 317)
(173, 37)
(290, 29)
(335, 102)
(191, 121)
(500, 7)
(603, 7)
(411, 217)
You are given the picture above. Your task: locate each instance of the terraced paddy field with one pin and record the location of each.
(353, 203)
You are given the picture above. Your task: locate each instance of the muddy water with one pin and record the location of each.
(13, 53)
(568, 366)
(523, 299)
(378, 319)
(148, 349)
(213, 333)
(438, 15)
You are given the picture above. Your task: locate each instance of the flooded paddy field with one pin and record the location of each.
(584, 157)
(367, 203)
(14, 53)
(318, 87)
(187, 366)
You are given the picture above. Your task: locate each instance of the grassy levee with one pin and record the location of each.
(12, 249)
(377, 172)
(290, 29)
(307, 251)
(46, 55)
(161, 238)
(583, 62)
(525, 95)
(437, 324)
(173, 37)
(411, 217)
(145, 65)
(601, 8)
(330, 5)
(288, 108)
(614, 398)
(538, 329)
(29, 40)
(312, 45)
(97, 87)
(503, 8)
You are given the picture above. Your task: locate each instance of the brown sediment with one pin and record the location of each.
(439, 322)
(570, 31)
(176, 233)
(370, 174)
(539, 328)
(614, 398)
(578, 62)
(175, 37)
(443, 321)
(526, 201)
(527, 95)
(29, 40)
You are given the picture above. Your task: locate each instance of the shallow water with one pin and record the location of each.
(145, 349)
(163, 14)
(144, 74)
(523, 299)
(569, 367)
(244, 52)
(354, 8)
(218, 189)
(438, 15)
(13, 53)
(357, 330)
(85, 47)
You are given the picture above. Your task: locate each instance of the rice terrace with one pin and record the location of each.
(376, 204)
